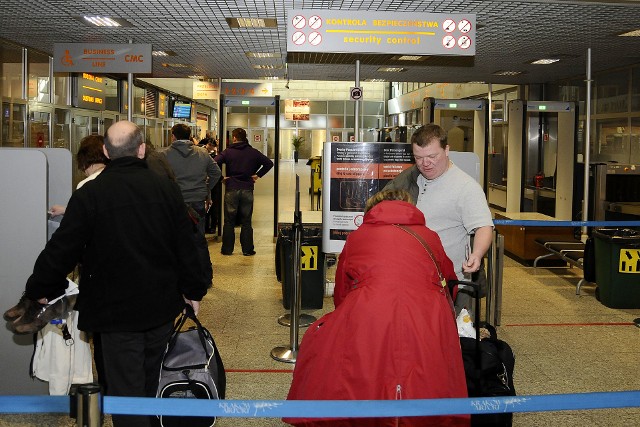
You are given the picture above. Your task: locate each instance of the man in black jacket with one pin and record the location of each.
(130, 230)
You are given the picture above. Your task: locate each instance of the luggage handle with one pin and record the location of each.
(474, 292)
(188, 313)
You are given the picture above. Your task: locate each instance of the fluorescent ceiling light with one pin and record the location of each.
(104, 21)
(374, 80)
(266, 67)
(476, 83)
(269, 78)
(197, 77)
(391, 69)
(252, 22)
(263, 55)
(544, 61)
(176, 65)
(409, 58)
(633, 33)
(507, 73)
(163, 53)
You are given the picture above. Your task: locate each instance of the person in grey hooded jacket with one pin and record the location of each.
(196, 174)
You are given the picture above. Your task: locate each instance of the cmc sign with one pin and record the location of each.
(102, 58)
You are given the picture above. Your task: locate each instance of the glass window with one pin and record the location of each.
(138, 100)
(111, 94)
(61, 128)
(39, 129)
(371, 122)
(634, 155)
(336, 107)
(318, 107)
(611, 141)
(13, 116)
(237, 120)
(612, 93)
(635, 90)
(371, 108)
(336, 122)
(11, 63)
(38, 70)
(61, 90)
(257, 119)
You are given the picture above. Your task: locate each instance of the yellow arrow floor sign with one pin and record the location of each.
(629, 261)
(309, 259)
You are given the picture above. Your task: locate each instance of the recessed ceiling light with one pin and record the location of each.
(252, 22)
(374, 80)
(409, 58)
(633, 33)
(391, 69)
(176, 65)
(104, 21)
(269, 78)
(507, 73)
(476, 83)
(263, 55)
(197, 77)
(163, 53)
(544, 61)
(266, 67)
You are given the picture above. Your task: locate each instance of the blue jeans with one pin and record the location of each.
(238, 209)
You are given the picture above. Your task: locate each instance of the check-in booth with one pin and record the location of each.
(33, 180)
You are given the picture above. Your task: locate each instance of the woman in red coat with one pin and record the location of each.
(392, 335)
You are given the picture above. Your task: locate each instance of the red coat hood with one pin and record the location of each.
(394, 212)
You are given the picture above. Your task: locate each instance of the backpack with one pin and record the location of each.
(191, 369)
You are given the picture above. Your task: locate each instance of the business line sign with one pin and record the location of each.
(319, 30)
(102, 58)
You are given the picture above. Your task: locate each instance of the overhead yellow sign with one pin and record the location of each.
(629, 261)
(309, 260)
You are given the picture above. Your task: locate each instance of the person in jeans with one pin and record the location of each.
(196, 174)
(244, 166)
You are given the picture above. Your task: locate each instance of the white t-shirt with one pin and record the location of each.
(454, 206)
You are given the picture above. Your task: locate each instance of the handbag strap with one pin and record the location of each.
(426, 246)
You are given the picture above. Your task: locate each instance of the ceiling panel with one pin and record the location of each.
(510, 34)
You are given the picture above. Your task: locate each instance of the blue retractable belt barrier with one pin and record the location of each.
(539, 223)
(329, 408)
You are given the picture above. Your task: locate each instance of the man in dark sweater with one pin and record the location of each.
(130, 230)
(244, 166)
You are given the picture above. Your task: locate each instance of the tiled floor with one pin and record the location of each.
(563, 343)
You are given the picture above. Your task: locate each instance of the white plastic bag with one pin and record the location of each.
(465, 325)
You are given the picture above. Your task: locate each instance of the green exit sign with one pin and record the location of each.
(245, 102)
(542, 107)
(453, 105)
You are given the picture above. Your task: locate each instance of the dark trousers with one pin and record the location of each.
(211, 222)
(132, 366)
(201, 241)
(238, 209)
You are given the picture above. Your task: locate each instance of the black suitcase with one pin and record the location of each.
(488, 365)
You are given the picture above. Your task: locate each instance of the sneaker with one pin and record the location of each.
(227, 253)
(17, 310)
(251, 253)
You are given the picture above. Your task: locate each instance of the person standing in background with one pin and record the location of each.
(196, 174)
(244, 166)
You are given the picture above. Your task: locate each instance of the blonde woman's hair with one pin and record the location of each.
(401, 195)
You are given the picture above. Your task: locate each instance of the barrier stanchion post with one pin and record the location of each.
(499, 271)
(289, 353)
(89, 405)
(491, 279)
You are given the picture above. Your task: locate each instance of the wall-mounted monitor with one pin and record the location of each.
(181, 110)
